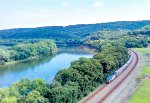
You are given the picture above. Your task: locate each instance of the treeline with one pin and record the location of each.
(84, 75)
(12, 42)
(24, 51)
(69, 34)
(71, 84)
(126, 38)
(142, 31)
(97, 38)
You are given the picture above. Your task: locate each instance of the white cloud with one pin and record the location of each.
(98, 4)
(64, 3)
(82, 10)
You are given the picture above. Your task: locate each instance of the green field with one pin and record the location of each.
(143, 50)
(142, 94)
(146, 70)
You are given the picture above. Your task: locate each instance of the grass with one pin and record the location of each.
(143, 50)
(142, 94)
(145, 70)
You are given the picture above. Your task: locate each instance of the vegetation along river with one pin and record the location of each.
(45, 67)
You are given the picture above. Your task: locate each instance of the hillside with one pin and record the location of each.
(68, 32)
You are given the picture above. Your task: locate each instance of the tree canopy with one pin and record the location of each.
(28, 50)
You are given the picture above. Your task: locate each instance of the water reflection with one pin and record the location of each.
(45, 67)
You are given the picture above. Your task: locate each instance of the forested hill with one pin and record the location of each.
(68, 32)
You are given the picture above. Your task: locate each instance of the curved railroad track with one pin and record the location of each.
(101, 94)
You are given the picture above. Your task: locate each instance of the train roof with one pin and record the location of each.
(110, 76)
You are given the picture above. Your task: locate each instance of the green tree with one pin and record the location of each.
(4, 56)
(35, 97)
(9, 100)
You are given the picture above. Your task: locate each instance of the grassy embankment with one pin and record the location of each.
(142, 93)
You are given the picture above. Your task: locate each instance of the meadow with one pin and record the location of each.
(142, 93)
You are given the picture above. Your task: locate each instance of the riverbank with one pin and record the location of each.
(44, 67)
(19, 61)
(70, 49)
(27, 51)
(80, 77)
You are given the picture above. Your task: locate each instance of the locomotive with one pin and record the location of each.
(112, 76)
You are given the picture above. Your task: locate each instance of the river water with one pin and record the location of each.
(45, 67)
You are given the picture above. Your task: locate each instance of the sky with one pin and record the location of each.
(37, 13)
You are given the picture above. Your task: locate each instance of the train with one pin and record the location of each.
(112, 76)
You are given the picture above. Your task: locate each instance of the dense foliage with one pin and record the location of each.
(71, 84)
(4, 56)
(128, 34)
(24, 51)
(12, 42)
(120, 37)
(83, 75)
(69, 34)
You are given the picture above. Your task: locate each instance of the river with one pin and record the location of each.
(45, 67)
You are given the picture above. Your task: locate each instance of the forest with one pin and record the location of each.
(124, 38)
(70, 84)
(24, 51)
(111, 40)
(72, 31)
(126, 33)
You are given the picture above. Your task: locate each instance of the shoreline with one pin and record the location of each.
(85, 48)
(19, 61)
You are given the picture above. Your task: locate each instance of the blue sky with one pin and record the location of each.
(35, 13)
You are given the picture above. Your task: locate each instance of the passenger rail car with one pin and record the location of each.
(112, 76)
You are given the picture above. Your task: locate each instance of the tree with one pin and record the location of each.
(40, 86)
(35, 97)
(24, 86)
(8, 95)
(4, 56)
(67, 75)
(9, 100)
(28, 50)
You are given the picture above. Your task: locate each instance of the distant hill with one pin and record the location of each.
(69, 32)
(142, 31)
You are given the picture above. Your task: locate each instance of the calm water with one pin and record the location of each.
(45, 68)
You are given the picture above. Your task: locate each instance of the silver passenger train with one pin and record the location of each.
(112, 76)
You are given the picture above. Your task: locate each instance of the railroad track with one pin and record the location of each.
(98, 96)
